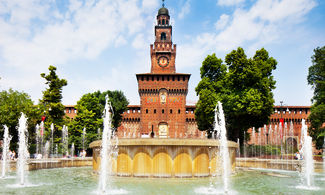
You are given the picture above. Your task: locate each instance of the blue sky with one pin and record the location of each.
(102, 44)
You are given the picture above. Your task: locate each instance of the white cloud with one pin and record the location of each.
(35, 34)
(229, 2)
(222, 22)
(120, 41)
(279, 10)
(193, 53)
(84, 32)
(185, 10)
(149, 5)
(263, 23)
(139, 42)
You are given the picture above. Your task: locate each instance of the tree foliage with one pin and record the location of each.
(316, 78)
(12, 104)
(244, 86)
(51, 104)
(90, 110)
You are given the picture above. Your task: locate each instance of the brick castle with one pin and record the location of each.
(163, 112)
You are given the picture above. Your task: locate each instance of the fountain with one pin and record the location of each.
(260, 141)
(276, 134)
(41, 134)
(106, 150)
(37, 133)
(5, 149)
(307, 153)
(22, 150)
(324, 156)
(52, 142)
(83, 138)
(72, 150)
(291, 134)
(270, 142)
(254, 141)
(220, 126)
(65, 146)
(238, 150)
(56, 151)
(265, 141)
(98, 133)
(46, 149)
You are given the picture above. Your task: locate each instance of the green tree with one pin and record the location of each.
(12, 104)
(51, 104)
(244, 86)
(90, 110)
(316, 78)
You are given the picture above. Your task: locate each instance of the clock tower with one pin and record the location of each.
(163, 51)
(163, 91)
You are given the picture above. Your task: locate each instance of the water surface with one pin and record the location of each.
(82, 181)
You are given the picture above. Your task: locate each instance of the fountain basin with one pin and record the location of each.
(283, 164)
(33, 164)
(166, 157)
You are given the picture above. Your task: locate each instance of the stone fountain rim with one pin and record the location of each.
(164, 142)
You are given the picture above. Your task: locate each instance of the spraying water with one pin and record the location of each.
(22, 150)
(72, 150)
(324, 155)
(65, 143)
(5, 149)
(292, 143)
(244, 143)
(260, 141)
(254, 141)
(107, 150)
(56, 151)
(37, 132)
(42, 137)
(270, 135)
(46, 149)
(98, 133)
(220, 127)
(308, 169)
(276, 140)
(83, 138)
(52, 143)
(238, 149)
(265, 141)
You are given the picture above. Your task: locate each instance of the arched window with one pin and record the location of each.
(163, 21)
(163, 36)
(167, 22)
(159, 22)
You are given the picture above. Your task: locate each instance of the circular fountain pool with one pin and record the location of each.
(83, 181)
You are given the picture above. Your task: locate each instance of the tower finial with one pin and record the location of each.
(163, 3)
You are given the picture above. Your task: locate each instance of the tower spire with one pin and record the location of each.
(163, 3)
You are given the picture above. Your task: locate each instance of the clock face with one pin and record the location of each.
(163, 61)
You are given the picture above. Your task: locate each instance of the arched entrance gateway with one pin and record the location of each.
(163, 130)
(291, 144)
